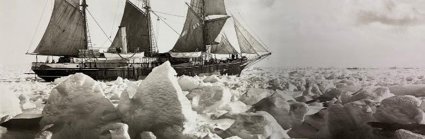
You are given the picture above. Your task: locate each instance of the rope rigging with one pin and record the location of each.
(168, 14)
(97, 23)
(163, 20)
(38, 26)
(253, 33)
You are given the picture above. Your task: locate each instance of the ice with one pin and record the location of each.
(189, 83)
(9, 105)
(159, 105)
(414, 90)
(373, 93)
(77, 108)
(254, 95)
(236, 107)
(282, 107)
(400, 109)
(117, 130)
(311, 102)
(147, 135)
(211, 79)
(406, 134)
(2, 131)
(255, 125)
(209, 98)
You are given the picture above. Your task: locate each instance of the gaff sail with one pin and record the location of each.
(191, 39)
(225, 47)
(199, 31)
(247, 43)
(64, 35)
(137, 30)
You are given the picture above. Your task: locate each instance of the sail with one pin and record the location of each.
(64, 35)
(197, 6)
(191, 39)
(225, 47)
(247, 42)
(213, 27)
(136, 23)
(215, 7)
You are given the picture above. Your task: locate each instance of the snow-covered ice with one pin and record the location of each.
(283, 103)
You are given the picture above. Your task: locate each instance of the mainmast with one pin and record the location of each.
(204, 35)
(153, 49)
(84, 7)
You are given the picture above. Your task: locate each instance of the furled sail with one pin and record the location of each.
(225, 47)
(64, 35)
(191, 39)
(247, 42)
(137, 30)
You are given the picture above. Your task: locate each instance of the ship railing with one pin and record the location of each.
(143, 62)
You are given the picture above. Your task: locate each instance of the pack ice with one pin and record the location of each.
(262, 103)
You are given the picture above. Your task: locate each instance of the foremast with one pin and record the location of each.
(84, 8)
(200, 30)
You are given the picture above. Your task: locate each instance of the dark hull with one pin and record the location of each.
(136, 73)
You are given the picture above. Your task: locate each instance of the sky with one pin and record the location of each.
(300, 33)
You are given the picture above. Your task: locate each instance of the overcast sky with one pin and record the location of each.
(317, 33)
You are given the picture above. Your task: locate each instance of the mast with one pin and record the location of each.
(152, 47)
(84, 7)
(204, 26)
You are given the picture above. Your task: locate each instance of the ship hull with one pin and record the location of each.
(135, 73)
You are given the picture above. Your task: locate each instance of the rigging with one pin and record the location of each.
(38, 27)
(169, 14)
(97, 23)
(163, 20)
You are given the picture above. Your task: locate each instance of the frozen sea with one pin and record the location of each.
(303, 84)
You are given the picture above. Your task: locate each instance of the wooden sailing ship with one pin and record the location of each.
(133, 53)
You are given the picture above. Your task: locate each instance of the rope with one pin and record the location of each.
(169, 14)
(253, 33)
(157, 28)
(161, 18)
(38, 26)
(97, 23)
(128, 57)
(115, 17)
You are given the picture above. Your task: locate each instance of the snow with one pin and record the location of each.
(9, 105)
(400, 109)
(81, 104)
(299, 102)
(159, 101)
(189, 83)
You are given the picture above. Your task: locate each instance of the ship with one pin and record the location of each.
(133, 52)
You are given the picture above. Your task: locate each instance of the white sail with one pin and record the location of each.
(191, 39)
(136, 23)
(64, 35)
(215, 7)
(247, 43)
(198, 31)
(225, 47)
